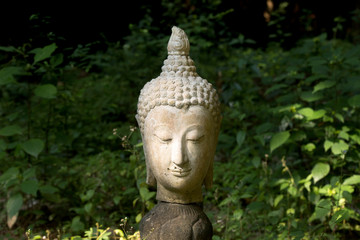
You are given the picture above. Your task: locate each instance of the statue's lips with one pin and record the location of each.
(180, 172)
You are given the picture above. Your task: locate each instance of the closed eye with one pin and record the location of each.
(195, 140)
(163, 139)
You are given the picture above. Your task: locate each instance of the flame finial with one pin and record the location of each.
(178, 43)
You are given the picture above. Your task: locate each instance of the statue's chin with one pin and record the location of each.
(180, 182)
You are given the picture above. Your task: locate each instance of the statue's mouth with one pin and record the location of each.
(180, 172)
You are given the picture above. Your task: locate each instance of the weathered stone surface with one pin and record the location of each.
(179, 119)
(172, 221)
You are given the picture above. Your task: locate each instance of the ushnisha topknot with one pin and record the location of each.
(178, 84)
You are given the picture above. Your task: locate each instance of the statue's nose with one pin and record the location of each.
(178, 155)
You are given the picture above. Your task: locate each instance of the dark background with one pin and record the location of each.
(90, 22)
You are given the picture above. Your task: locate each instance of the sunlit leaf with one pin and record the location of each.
(307, 112)
(327, 145)
(309, 147)
(278, 139)
(138, 218)
(310, 114)
(319, 171)
(355, 179)
(339, 147)
(278, 199)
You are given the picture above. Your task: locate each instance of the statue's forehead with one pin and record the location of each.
(168, 115)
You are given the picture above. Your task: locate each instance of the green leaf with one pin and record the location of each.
(29, 173)
(2, 145)
(46, 91)
(317, 114)
(278, 139)
(307, 112)
(43, 53)
(33, 146)
(48, 189)
(56, 60)
(256, 161)
(310, 114)
(30, 186)
(339, 147)
(344, 135)
(354, 101)
(11, 173)
(240, 137)
(88, 207)
(322, 209)
(77, 225)
(238, 213)
(13, 205)
(8, 49)
(309, 147)
(89, 194)
(319, 171)
(146, 194)
(117, 199)
(278, 199)
(355, 179)
(340, 117)
(355, 138)
(138, 218)
(274, 87)
(10, 130)
(310, 97)
(327, 145)
(323, 85)
(338, 217)
(7, 74)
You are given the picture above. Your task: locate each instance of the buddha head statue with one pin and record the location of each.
(179, 118)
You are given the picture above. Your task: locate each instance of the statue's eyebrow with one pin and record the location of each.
(161, 126)
(195, 127)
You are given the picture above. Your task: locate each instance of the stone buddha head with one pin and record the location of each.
(179, 118)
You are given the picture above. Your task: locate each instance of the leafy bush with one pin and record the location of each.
(289, 148)
(287, 164)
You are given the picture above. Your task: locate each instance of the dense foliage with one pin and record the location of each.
(287, 164)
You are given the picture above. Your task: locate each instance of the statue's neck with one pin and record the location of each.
(165, 195)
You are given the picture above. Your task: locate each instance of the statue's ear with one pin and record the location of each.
(150, 179)
(208, 181)
(138, 120)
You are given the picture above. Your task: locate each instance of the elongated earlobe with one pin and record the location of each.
(208, 181)
(150, 179)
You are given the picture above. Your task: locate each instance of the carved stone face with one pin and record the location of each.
(179, 146)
